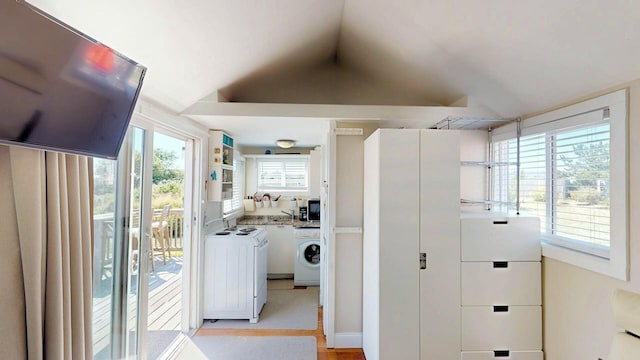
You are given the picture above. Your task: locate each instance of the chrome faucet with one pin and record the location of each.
(292, 214)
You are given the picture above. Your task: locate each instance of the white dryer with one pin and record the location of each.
(307, 262)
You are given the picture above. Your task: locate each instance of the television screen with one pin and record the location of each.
(59, 89)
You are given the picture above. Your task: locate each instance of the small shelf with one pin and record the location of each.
(470, 123)
(483, 202)
(487, 163)
(461, 123)
(221, 163)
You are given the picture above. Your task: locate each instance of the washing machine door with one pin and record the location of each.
(309, 254)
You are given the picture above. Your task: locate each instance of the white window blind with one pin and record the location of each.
(235, 203)
(283, 174)
(564, 180)
(580, 191)
(573, 175)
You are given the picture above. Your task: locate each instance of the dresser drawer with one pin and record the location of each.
(491, 328)
(505, 239)
(501, 283)
(501, 355)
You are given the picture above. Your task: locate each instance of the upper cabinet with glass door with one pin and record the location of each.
(220, 166)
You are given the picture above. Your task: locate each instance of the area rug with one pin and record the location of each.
(256, 347)
(285, 309)
(280, 284)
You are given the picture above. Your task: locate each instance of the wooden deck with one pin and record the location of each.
(164, 305)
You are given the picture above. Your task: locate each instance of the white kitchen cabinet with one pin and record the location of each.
(502, 355)
(411, 207)
(220, 181)
(281, 254)
(501, 312)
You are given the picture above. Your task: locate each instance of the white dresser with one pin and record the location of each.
(501, 298)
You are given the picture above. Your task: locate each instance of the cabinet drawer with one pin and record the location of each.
(501, 283)
(511, 355)
(506, 239)
(489, 328)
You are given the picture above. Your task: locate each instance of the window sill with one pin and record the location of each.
(615, 268)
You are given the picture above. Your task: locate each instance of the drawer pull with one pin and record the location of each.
(500, 308)
(500, 264)
(500, 222)
(501, 353)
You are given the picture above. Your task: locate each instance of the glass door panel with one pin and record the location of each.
(104, 198)
(136, 239)
(119, 223)
(165, 276)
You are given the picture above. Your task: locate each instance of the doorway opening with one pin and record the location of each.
(167, 243)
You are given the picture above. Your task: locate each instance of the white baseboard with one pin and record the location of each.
(348, 340)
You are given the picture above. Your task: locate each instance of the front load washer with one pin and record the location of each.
(307, 263)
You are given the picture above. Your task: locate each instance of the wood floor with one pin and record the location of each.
(323, 352)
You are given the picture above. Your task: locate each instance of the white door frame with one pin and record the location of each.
(179, 125)
(192, 232)
(120, 336)
(329, 306)
(145, 234)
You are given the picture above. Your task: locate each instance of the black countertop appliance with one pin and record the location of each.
(302, 213)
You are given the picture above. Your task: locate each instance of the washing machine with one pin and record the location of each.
(306, 270)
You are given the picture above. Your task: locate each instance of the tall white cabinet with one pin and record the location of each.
(411, 306)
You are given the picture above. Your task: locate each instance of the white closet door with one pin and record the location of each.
(440, 240)
(391, 326)
(399, 231)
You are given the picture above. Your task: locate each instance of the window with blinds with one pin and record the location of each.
(235, 203)
(564, 180)
(283, 174)
(574, 176)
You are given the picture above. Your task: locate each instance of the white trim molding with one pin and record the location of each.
(348, 340)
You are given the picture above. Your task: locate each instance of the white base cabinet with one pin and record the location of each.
(501, 327)
(282, 251)
(502, 355)
(501, 282)
(501, 307)
(411, 208)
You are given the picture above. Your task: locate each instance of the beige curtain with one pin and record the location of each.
(46, 295)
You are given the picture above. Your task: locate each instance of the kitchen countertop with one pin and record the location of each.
(276, 220)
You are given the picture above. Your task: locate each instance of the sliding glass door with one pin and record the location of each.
(140, 236)
(120, 230)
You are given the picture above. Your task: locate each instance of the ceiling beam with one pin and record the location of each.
(332, 111)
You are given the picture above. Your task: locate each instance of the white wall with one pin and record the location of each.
(578, 321)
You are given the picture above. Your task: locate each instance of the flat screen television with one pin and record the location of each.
(59, 89)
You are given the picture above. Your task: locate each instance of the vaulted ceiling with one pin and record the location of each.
(511, 57)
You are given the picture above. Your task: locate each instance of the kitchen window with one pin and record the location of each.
(235, 203)
(283, 174)
(572, 176)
